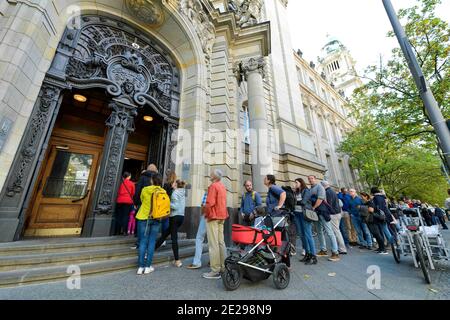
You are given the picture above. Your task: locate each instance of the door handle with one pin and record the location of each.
(83, 197)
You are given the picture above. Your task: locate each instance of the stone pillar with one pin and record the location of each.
(120, 124)
(261, 156)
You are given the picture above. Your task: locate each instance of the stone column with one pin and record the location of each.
(120, 124)
(261, 156)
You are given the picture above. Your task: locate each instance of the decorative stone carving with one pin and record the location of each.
(132, 68)
(193, 10)
(121, 123)
(170, 146)
(146, 11)
(46, 102)
(253, 65)
(247, 12)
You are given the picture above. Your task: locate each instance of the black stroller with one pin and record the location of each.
(264, 258)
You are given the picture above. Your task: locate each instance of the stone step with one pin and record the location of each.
(84, 255)
(58, 273)
(54, 245)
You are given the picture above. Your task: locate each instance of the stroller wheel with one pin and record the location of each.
(232, 277)
(281, 276)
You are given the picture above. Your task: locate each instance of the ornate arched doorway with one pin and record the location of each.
(130, 76)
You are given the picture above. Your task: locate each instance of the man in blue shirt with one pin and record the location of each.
(275, 195)
(362, 230)
(250, 201)
(346, 227)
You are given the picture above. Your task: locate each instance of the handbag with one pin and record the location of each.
(325, 211)
(379, 215)
(311, 215)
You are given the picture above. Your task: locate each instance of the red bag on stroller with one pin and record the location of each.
(249, 235)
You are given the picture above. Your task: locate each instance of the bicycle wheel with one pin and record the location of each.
(395, 251)
(421, 257)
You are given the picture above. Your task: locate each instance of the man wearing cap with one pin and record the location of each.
(333, 201)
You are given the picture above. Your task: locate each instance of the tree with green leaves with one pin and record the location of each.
(395, 145)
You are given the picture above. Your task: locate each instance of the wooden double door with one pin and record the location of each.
(64, 190)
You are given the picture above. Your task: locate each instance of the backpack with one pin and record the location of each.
(290, 198)
(160, 205)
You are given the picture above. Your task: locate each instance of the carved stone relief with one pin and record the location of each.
(131, 68)
(247, 12)
(30, 147)
(146, 11)
(193, 10)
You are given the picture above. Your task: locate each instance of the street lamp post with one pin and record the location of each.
(432, 109)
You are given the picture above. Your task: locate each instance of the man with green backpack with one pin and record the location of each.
(250, 201)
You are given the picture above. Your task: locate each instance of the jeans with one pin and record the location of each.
(310, 246)
(435, 220)
(324, 225)
(165, 225)
(300, 226)
(375, 229)
(199, 239)
(387, 233)
(362, 231)
(335, 223)
(344, 231)
(147, 239)
(174, 224)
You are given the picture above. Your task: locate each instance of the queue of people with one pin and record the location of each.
(317, 214)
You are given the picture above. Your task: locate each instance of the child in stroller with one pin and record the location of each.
(267, 255)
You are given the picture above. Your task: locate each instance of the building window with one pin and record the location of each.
(333, 130)
(300, 75)
(245, 125)
(322, 130)
(343, 173)
(330, 173)
(312, 84)
(324, 95)
(308, 117)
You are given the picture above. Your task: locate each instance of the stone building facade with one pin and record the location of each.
(89, 89)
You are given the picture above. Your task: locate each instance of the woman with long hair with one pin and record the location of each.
(177, 207)
(306, 203)
(298, 215)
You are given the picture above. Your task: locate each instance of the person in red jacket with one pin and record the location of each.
(124, 204)
(215, 214)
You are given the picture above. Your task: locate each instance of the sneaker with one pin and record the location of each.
(322, 253)
(140, 271)
(383, 252)
(293, 251)
(193, 266)
(303, 252)
(362, 247)
(342, 252)
(211, 275)
(178, 263)
(369, 248)
(311, 260)
(149, 270)
(163, 244)
(133, 248)
(334, 257)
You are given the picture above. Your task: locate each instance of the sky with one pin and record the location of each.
(361, 25)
